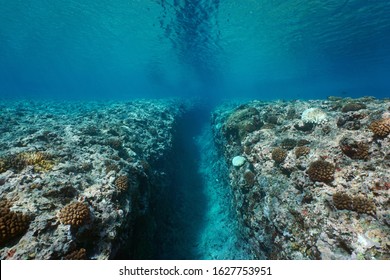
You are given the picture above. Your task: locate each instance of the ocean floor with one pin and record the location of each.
(156, 179)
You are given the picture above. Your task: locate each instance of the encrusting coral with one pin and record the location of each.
(241, 122)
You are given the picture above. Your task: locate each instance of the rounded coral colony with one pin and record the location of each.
(75, 214)
(302, 151)
(321, 171)
(279, 155)
(381, 128)
(359, 204)
(12, 224)
(354, 149)
(122, 183)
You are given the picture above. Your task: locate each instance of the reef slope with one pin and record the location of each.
(76, 179)
(310, 178)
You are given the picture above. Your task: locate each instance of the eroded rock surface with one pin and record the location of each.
(291, 206)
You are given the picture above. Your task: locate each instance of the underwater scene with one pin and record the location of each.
(195, 130)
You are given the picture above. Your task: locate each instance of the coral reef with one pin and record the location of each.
(39, 160)
(284, 214)
(61, 163)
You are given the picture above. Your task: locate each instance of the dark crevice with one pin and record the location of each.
(170, 228)
(180, 207)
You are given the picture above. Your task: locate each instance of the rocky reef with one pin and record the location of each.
(314, 176)
(76, 179)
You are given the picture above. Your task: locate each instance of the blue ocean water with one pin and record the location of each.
(219, 48)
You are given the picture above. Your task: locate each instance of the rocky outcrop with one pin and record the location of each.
(84, 174)
(321, 198)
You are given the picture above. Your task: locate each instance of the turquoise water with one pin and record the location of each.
(215, 50)
(220, 48)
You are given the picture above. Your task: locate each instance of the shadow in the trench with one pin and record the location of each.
(180, 209)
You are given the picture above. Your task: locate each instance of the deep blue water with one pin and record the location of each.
(220, 48)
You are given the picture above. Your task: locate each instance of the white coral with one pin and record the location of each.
(314, 115)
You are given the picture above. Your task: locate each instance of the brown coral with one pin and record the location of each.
(321, 171)
(353, 106)
(360, 204)
(354, 149)
(39, 160)
(249, 177)
(342, 201)
(3, 165)
(75, 214)
(279, 155)
(111, 167)
(363, 205)
(12, 224)
(114, 143)
(302, 151)
(381, 128)
(288, 144)
(80, 254)
(241, 122)
(122, 183)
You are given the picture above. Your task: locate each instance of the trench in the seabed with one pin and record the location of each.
(192, 216)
